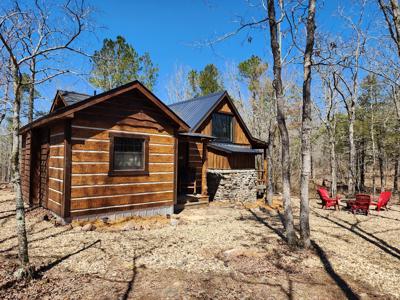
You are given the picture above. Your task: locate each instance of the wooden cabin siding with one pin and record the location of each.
(93, 190)
(56, 168)
(25, 165)
(239, 135)
(220, 160)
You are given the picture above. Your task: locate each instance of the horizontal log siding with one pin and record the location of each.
(93, 191)
(25, 165)
(56, 168)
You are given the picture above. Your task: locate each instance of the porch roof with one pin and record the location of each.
(232, 148)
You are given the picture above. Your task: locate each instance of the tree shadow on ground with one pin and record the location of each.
(36, 240)
(39, 272)
(13, 210)
(385, 217)
(367, 236)
(340, 282)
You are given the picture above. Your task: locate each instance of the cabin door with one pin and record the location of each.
(182, 166)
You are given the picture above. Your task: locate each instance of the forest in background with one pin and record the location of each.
(342, 127)
(345, 72)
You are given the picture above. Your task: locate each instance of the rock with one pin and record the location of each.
(88, 227)
(175, 216)
(174, 222)
(232, 253)
(19, 274)
(46, 218)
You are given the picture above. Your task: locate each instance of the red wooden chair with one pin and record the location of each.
(361, 204)
(326, 201)
(383, 200)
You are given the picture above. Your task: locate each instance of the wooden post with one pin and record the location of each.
(204, 190)
(66, 201)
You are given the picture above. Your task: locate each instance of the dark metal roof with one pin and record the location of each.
(192, 111)
(70, 97)
(232, 148)
(83, 101)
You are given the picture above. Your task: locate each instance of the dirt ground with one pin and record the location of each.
(224, 251)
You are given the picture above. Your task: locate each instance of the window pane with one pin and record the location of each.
(222, 127)
(128, 154)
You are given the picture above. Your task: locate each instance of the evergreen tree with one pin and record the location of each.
(205, 82)
(117, 63)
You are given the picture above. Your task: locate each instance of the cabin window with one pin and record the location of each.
(128, 154)
(222, 127)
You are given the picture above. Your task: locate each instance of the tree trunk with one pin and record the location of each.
(306, 130)
(16, 178)
(280, 103)
(381, 167)
(396, 20)
(352, 154)
(270, 187)
(332, 143)
(396, 176)
(362, 167)
(31, 101)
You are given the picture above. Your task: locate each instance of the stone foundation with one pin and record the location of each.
(233, 185)
(147, 212)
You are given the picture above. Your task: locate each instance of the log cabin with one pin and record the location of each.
(124, 152)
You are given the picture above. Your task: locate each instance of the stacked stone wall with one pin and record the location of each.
(232, 185)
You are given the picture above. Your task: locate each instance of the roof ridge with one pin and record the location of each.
(65, 91)
(198, 98)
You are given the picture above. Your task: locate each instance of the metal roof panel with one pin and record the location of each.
(193, 110)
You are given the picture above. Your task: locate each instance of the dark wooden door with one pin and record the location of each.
(182, 165)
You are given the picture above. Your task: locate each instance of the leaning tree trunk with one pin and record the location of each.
(281, 120)
(306, 130)
(16, 177)
(270, 184)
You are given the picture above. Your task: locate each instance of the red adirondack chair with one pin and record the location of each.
(361, 204)
(383, 200)
(326, 201)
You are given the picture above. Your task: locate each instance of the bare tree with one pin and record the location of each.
(178, 88)
(392, 17)
(15, 25)
(348, 86)
(306, 128)
(281, 119)
(328, 118)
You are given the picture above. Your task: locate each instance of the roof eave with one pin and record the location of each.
(68, 110)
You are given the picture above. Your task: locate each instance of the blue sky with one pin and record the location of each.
(169, 30)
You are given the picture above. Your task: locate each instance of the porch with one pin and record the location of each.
(199, 159)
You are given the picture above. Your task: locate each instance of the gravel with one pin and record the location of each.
(219, 252)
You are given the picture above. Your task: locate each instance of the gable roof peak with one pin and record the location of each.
(199, 98)
(194, 110)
